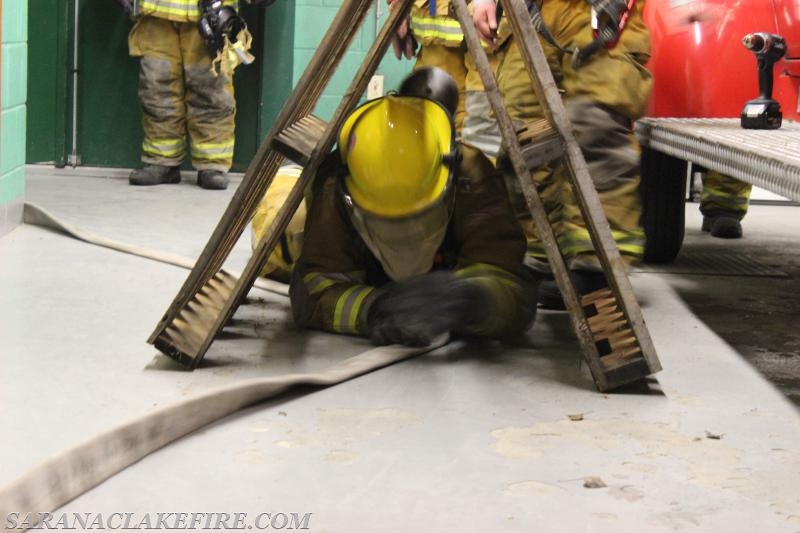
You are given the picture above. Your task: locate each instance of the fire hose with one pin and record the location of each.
(67, 475)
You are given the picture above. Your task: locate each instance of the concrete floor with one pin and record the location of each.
(468, 438)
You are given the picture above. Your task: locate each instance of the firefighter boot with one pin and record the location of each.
(212, 179)
(155, 175)
(723, 226)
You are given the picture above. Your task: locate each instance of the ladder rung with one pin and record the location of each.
(620, 339)
(298, 140)
(185, 336)
(621, 357)
(606, 321)
(535, 129)
(540, 143)
(593, 297)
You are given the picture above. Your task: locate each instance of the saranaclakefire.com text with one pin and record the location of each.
(157, 521)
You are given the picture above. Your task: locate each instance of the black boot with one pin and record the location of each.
(212, 179)
(155, 175)
(584, 281)
(723, 226)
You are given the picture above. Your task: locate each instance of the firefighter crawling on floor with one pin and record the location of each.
(410, 233)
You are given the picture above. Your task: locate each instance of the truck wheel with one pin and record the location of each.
(663, 191)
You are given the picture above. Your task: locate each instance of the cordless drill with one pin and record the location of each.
(764, 113)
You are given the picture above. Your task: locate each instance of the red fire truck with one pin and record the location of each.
(702, 69)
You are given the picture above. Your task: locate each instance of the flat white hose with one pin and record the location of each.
(38, 216)
(67, 475)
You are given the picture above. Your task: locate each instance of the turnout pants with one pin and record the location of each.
(603, 97)
(179, 95)
(723, 195)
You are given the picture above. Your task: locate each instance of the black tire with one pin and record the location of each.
(663, 191)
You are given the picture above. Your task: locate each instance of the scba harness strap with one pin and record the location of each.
(609, 18)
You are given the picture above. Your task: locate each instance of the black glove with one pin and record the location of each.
(416, 311)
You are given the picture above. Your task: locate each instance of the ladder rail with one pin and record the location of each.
(589, 203)
(612, 320)
(261, 170)
(609, 322)
(532, 198)
(269, 240)
(265, 164)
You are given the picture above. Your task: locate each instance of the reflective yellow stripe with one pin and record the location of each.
(536, 248)
(163, 147)
(537, 254)
(177, 10)
(484, 269)
(186, 9)
(345, 314)
(317, 283)
(577, 242)
(437, 28)
(356, 309)
(734, 196)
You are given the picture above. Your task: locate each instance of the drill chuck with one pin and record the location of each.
(762, 43)
(754, 42)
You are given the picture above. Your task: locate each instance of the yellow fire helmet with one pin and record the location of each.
(398, 151)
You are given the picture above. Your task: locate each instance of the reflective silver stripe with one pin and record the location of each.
(480, 127)
(207, 150)
(485, 269)
(163, 147)
(348, 306)
(317, 282)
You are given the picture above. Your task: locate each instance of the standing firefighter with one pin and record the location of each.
(410, 234)
(596, 50)
(723, 203)
(440, 38)
(188, 51)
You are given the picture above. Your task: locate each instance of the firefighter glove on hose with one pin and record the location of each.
(414, 312)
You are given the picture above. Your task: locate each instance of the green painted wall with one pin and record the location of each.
(313, 19)
(13, 83)
(48, 91)
(108, 119)
(109, 129)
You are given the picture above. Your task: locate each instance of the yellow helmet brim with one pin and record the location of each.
(396, 150)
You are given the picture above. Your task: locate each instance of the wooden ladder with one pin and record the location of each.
(608, 323)
(210, 295)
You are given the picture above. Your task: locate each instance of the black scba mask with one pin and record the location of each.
(216, 22)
